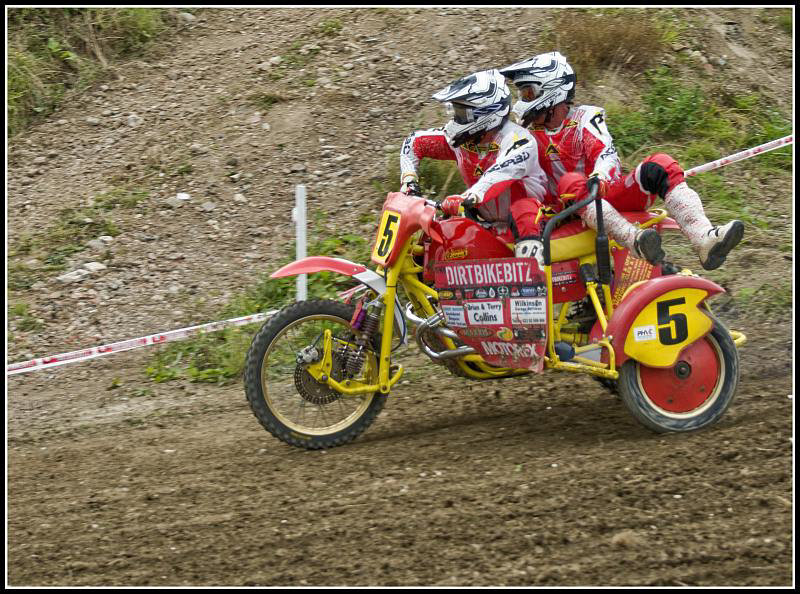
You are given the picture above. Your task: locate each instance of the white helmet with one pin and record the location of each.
(543, 82)
(480, 102)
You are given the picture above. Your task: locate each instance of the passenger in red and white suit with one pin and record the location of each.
(497, 158)
(500, 164)
(576, 150)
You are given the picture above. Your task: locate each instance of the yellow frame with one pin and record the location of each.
(405, 273)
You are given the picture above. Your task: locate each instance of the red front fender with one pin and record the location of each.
(314, 264)
(624, 315)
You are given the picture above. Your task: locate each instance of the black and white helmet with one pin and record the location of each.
(543, 82)
(480, 102)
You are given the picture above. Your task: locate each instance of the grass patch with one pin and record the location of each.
(596, 39)
(329, 27)
(219, 357)
(21, 318)
(54, 50)
(265, 101)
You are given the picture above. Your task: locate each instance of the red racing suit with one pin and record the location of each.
(503, 174)
(582, 146)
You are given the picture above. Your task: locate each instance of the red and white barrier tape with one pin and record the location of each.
(752, 152)
(133, 343)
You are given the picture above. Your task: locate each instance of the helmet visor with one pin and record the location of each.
(462, 114)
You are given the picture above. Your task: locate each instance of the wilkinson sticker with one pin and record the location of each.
(454, 315)
(484, 312)
(644, 333)
(529, 311)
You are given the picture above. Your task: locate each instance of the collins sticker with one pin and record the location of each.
(484, 312)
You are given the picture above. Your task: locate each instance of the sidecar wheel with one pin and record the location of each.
(286, 399)
(692, 394)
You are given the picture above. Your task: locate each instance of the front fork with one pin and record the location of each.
(321, 370)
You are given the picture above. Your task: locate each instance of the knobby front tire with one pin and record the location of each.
(286, 399)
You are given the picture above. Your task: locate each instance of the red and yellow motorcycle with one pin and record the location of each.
(319, 372)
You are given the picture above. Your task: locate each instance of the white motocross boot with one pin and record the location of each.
(712, 244)
(718, 241)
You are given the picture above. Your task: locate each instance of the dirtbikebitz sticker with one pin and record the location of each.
(498, 307)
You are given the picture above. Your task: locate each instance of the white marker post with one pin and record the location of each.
(299, 217)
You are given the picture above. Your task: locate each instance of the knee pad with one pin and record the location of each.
(653, 178)
(571, 186)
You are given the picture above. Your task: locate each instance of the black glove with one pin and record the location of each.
(411, 188)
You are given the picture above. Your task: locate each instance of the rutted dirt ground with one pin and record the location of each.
(530, 481)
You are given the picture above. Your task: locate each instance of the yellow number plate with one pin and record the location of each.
(666, 326)
(387, 237)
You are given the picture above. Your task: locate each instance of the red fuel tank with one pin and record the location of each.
(464, 239)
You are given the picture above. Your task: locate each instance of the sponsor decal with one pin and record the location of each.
(520, 158)
(515, 291)
(474, 332)
(478, 171)
(481, 293)
(484, 312)
(529, 334)
(571, 124)
(536, 291)
(503, 291)
(516, 272)
(517, 144)
(529, 311)
(551, 150)
(564, 278)
(644, 333)
(455, 254)
(505, 334)
(454, 315)
(445, 294)
(509, 349)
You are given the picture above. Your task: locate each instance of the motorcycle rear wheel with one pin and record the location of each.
(690, 395)
(286, 399)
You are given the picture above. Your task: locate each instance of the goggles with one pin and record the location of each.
(462, 114)
(527, 92)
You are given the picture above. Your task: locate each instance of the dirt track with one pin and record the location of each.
(517, 482)
(532, 481)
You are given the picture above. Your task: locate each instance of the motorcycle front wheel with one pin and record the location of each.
(285, 397)
(693, 393)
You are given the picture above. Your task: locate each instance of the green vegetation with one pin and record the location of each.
(219, 357)
(19, 314)
(718, 123)
(52, 51)
(329, 27)
(68, 235)
(265, 100)
(597, 39)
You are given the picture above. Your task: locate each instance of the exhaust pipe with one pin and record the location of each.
(429, 325)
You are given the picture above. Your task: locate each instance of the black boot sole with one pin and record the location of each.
(648, 245)
(717, 255)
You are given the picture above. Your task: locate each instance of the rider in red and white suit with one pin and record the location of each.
(497, 158)
(574, 143)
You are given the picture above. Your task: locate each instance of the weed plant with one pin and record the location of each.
(54, 50)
